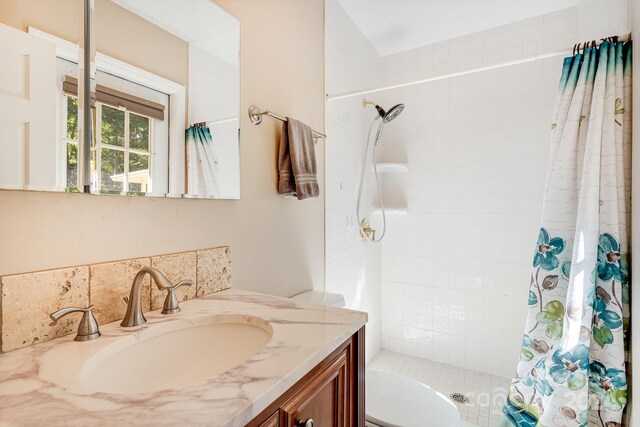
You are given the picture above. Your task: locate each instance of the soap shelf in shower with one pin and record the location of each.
(392, 167)
(391, 210)
(393, 180)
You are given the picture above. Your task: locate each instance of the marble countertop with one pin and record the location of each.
(303, 335)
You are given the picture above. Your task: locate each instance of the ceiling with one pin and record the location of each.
(394, 26)
(199, 22)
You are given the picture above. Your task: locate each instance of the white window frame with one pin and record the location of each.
(177, 103)
(61, 123)
(125, 148)
(62, 151)
(158, 132)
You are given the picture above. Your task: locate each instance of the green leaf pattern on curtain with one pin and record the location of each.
(572, 362)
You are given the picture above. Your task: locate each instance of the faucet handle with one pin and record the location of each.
(171, 305)
(87, 329)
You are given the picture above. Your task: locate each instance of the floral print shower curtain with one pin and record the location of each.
(572, 363)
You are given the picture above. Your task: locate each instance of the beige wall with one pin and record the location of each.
(146, 46)
(62, 18)
(277, 244)
(119, 33)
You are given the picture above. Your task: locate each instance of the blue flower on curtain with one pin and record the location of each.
(547, 250)
(517, 413)
(610, 385)
(583, 418)
(566, 269)
(611, 264)
(537, 379)
(604, 320)
(533, 298)
(570, 367)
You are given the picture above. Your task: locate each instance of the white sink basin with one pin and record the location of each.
(158, 359)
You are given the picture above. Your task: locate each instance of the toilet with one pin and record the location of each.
(396, 401)
(393, 400)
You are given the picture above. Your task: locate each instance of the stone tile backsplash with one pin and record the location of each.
(29, 298)
(110, 283)
(178, 267)
(214, 270)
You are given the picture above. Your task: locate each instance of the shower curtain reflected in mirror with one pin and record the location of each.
(572, 362)
(203, 174)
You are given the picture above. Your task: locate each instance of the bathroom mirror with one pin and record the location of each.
(40, 44)
(160, 66)
(166, 99)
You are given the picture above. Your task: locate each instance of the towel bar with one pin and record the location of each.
(255, 115)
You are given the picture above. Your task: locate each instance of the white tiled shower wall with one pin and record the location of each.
(456, 268)
(352, 267)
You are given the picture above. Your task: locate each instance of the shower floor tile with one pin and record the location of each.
(486, 392)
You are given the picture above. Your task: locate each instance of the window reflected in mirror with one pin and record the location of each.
(161, 66)
(70, 142)
(164, 66)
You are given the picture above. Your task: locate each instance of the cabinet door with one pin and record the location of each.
(324, 399)
(28, 111)
(273, 421)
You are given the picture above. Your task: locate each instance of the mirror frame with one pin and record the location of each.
(85, 86)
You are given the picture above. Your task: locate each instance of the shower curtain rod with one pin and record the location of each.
(215, 122)
(532, 58)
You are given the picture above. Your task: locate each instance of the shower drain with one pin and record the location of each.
(459, 398)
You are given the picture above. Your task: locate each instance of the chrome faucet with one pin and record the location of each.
(134, 315)
(87, 328)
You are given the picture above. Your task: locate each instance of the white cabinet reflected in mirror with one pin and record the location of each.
(39, 48)
(161, 67)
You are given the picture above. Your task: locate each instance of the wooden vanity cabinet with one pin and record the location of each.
(331, 394)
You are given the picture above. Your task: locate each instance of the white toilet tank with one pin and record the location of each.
(319, 297)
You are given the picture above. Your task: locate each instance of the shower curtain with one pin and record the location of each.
(572, 362)
(203, 175)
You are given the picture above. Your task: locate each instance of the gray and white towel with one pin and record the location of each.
(297, 169)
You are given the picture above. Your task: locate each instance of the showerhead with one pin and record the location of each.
(392, 113)
(386, 116)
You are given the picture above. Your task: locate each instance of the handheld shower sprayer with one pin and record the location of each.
(366, 231)
(386, 116)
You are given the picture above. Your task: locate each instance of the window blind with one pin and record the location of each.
(106, 95)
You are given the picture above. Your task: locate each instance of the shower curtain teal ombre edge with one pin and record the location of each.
(203, 174)
(572, 362)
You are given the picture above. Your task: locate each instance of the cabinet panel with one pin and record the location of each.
(323, 399)
(332, 393)
(273, 421)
